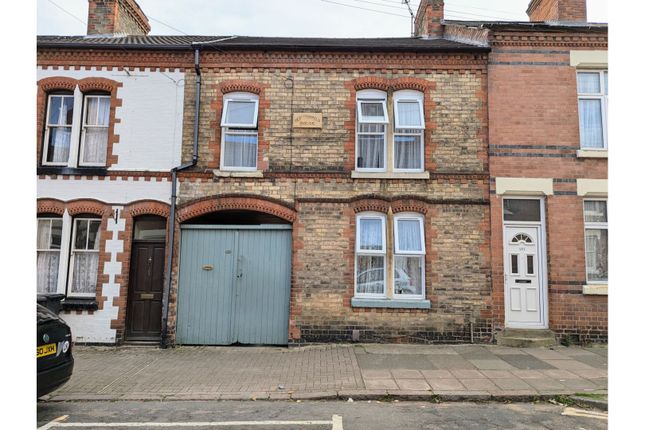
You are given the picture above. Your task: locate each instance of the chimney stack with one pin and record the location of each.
(558, 10)
(116, 17)
(428, 20)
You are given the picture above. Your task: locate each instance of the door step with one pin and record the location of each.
(526, 338)
(140, 343)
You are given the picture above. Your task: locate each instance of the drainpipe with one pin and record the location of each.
(173, 201)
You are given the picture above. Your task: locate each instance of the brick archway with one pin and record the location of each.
(223, 203)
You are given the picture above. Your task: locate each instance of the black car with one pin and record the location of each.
(54, 351)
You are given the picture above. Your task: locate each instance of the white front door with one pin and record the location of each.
(522, 275)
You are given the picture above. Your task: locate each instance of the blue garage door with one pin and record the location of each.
(234, 284)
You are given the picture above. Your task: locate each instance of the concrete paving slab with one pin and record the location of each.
(545, 384)
(511, 384)
(545, 353)
(412, 384)
(437, 374)
(559, 374)
(398, 349)
(479, 384)
(446, 384)
(449, 362)
(504, 350)
(569, 364)
(590, 373)
(497, 374)
(467, 373)
(495, 364)
(593, 360)
(525, 361)
(406, 374)
(388, 361)
(528, 374)
(376, 374)
(381, 384)
(579, 384)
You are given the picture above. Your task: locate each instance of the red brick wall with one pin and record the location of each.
(533, 123)
(558, 10)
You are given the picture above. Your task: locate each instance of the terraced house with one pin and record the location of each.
(256, 190)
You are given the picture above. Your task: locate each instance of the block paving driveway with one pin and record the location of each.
(330, 371)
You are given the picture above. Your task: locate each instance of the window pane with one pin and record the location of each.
(521, 210)
(408, 114)
(81, 234)
(98, 111)
(240, 112)
(371, 128)
(54, 109)
(95, 145)
(596, 250)
(370, 274)
(93, 234)
(590, 112)
(371, 234)
(514, 266)
(58, 145)
(606, 77)
(371, 152)
(595, 211)
(56, 233)
(43, 233)
(104, 112)
(407, 152)
(529, 265)
(240, 150)
(372, 109)
(47, 271)
(408, 275)
(588, 83)
(86, 266)
(409, 235)
(150, 229)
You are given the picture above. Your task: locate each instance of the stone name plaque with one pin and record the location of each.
(307, 120)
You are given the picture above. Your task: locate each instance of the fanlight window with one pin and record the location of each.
(522, 238)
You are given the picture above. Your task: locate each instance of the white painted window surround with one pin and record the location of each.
(524, 186)
(592, 110)
(149, 121)
(596, 241)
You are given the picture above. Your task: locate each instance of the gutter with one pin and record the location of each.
(173, 194)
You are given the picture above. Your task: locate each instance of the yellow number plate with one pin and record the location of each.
(45, 350)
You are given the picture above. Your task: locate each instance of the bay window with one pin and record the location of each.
(239, 132)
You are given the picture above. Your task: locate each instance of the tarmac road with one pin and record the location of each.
(315, 415)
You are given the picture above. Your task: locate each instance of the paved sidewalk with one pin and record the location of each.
(455, 372)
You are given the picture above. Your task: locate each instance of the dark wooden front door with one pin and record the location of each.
(145, 291)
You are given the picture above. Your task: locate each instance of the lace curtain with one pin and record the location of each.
(47, 271)
(371, 146)
(408, 235)
(591, 133)
(370, 275)
(86, 267)
(371, 234)
(96, 130)
(596, 247)
(409, 114)
(407, 152)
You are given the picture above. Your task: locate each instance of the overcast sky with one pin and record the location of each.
(304, 18)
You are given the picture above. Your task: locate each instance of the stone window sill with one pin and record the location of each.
(390, 175)
(595, 290)
(592, 153)
(358, 302)
(238, 174)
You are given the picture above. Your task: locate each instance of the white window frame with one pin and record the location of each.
(410, 216)
(72, 255)
(371, 252)
(371, 96)
(603, 96)
(50, 219)
(232, 129)
(594, 226)
(85, 126)
(409, 96)
(49, 126)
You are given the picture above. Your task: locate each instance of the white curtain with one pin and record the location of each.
(408, 275)
(47, 271)
(591, 133)
(95, 145)
(588, 83)
(409, 235)
(408, 114)
(371, 234)
(86, 267)
(370, 274)
(407, 152)
(240, 150)
(595, 211)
